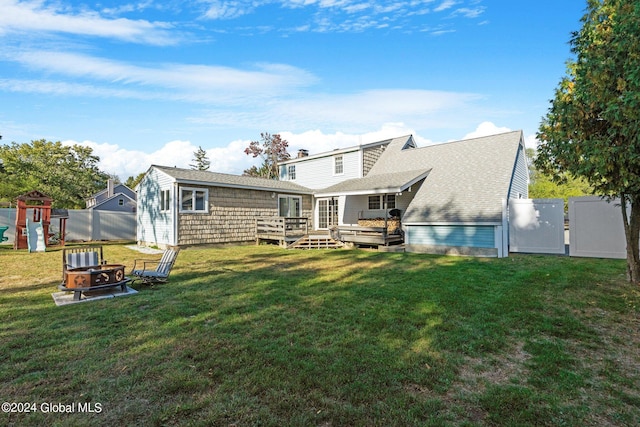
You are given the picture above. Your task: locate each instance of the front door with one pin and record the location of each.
(327, 213)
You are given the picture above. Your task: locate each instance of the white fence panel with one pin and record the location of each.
(536, 226)
(82, 225)
(596, 228)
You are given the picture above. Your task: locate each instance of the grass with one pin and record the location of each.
(248, 336)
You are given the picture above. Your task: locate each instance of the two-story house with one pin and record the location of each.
(448, 198)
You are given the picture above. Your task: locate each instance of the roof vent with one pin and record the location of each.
(303, 153)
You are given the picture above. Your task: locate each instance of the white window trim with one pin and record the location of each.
(165, 200)
(193, 190)
(335, 159)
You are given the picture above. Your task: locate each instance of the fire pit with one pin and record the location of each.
(97, 275)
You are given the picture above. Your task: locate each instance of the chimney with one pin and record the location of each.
(110, 187)
(303, 153)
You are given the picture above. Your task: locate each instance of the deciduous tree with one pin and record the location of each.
(68, 174)
(271, 149)
(592, 128)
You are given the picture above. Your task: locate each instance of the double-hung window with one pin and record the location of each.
(194, 200)
(292, 172)
(338, 165)
(374, 202)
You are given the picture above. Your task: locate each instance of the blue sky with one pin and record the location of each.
(149, 82)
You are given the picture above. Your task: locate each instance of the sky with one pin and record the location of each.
(148, 82)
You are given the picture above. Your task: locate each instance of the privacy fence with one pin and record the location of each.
(595, 227)
(82, 225)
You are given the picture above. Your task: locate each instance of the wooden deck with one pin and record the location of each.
(368, 236)
(283, 230)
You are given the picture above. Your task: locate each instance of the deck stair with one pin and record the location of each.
(316, 241)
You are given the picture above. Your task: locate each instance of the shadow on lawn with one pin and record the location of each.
(327, 337)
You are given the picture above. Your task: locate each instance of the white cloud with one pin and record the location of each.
(352, 112)
(231, 158)
(227, 10)
(124, 163)
(200, 83)
(38, 16)
(486, 129)
(446, 4)
(531, 141)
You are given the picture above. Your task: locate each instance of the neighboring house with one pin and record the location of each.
(178, 207)
(450, 198)
(116, 198)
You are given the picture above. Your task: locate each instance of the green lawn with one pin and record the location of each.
(246, 336)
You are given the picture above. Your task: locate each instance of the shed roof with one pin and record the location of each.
(382, 183)
(198, 177)
(467, 180)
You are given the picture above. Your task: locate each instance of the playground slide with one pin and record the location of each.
(35, 236)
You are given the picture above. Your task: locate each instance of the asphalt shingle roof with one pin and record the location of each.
(228, 180)
(392, 182)
(467, 180)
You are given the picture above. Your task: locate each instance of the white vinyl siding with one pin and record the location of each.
(358, 207)
(317, 173)
(338, 165)
(154, 225)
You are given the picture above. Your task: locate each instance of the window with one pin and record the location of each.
(120, 202)
(292, 172)
(289, 206)
(391, 201)
(165, 204)
(374, 202)
(338, 165)
(194, 200)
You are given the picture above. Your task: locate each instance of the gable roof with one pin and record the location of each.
(197, 177)
(117, 189)
(467, 180)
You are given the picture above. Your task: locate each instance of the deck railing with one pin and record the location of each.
(282, 226)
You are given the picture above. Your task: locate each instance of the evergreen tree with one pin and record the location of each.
(200, 159)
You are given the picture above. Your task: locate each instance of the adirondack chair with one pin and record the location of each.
(3, 238)
(83, 256)
(154, 271)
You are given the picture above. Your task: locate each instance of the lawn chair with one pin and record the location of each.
(82, 256)
(144, 270)
(3, 238)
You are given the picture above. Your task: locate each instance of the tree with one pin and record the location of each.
(271, 149)
(202, 162)
(543, 186)
(68, 174)
(131, 182)
(592, 128)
